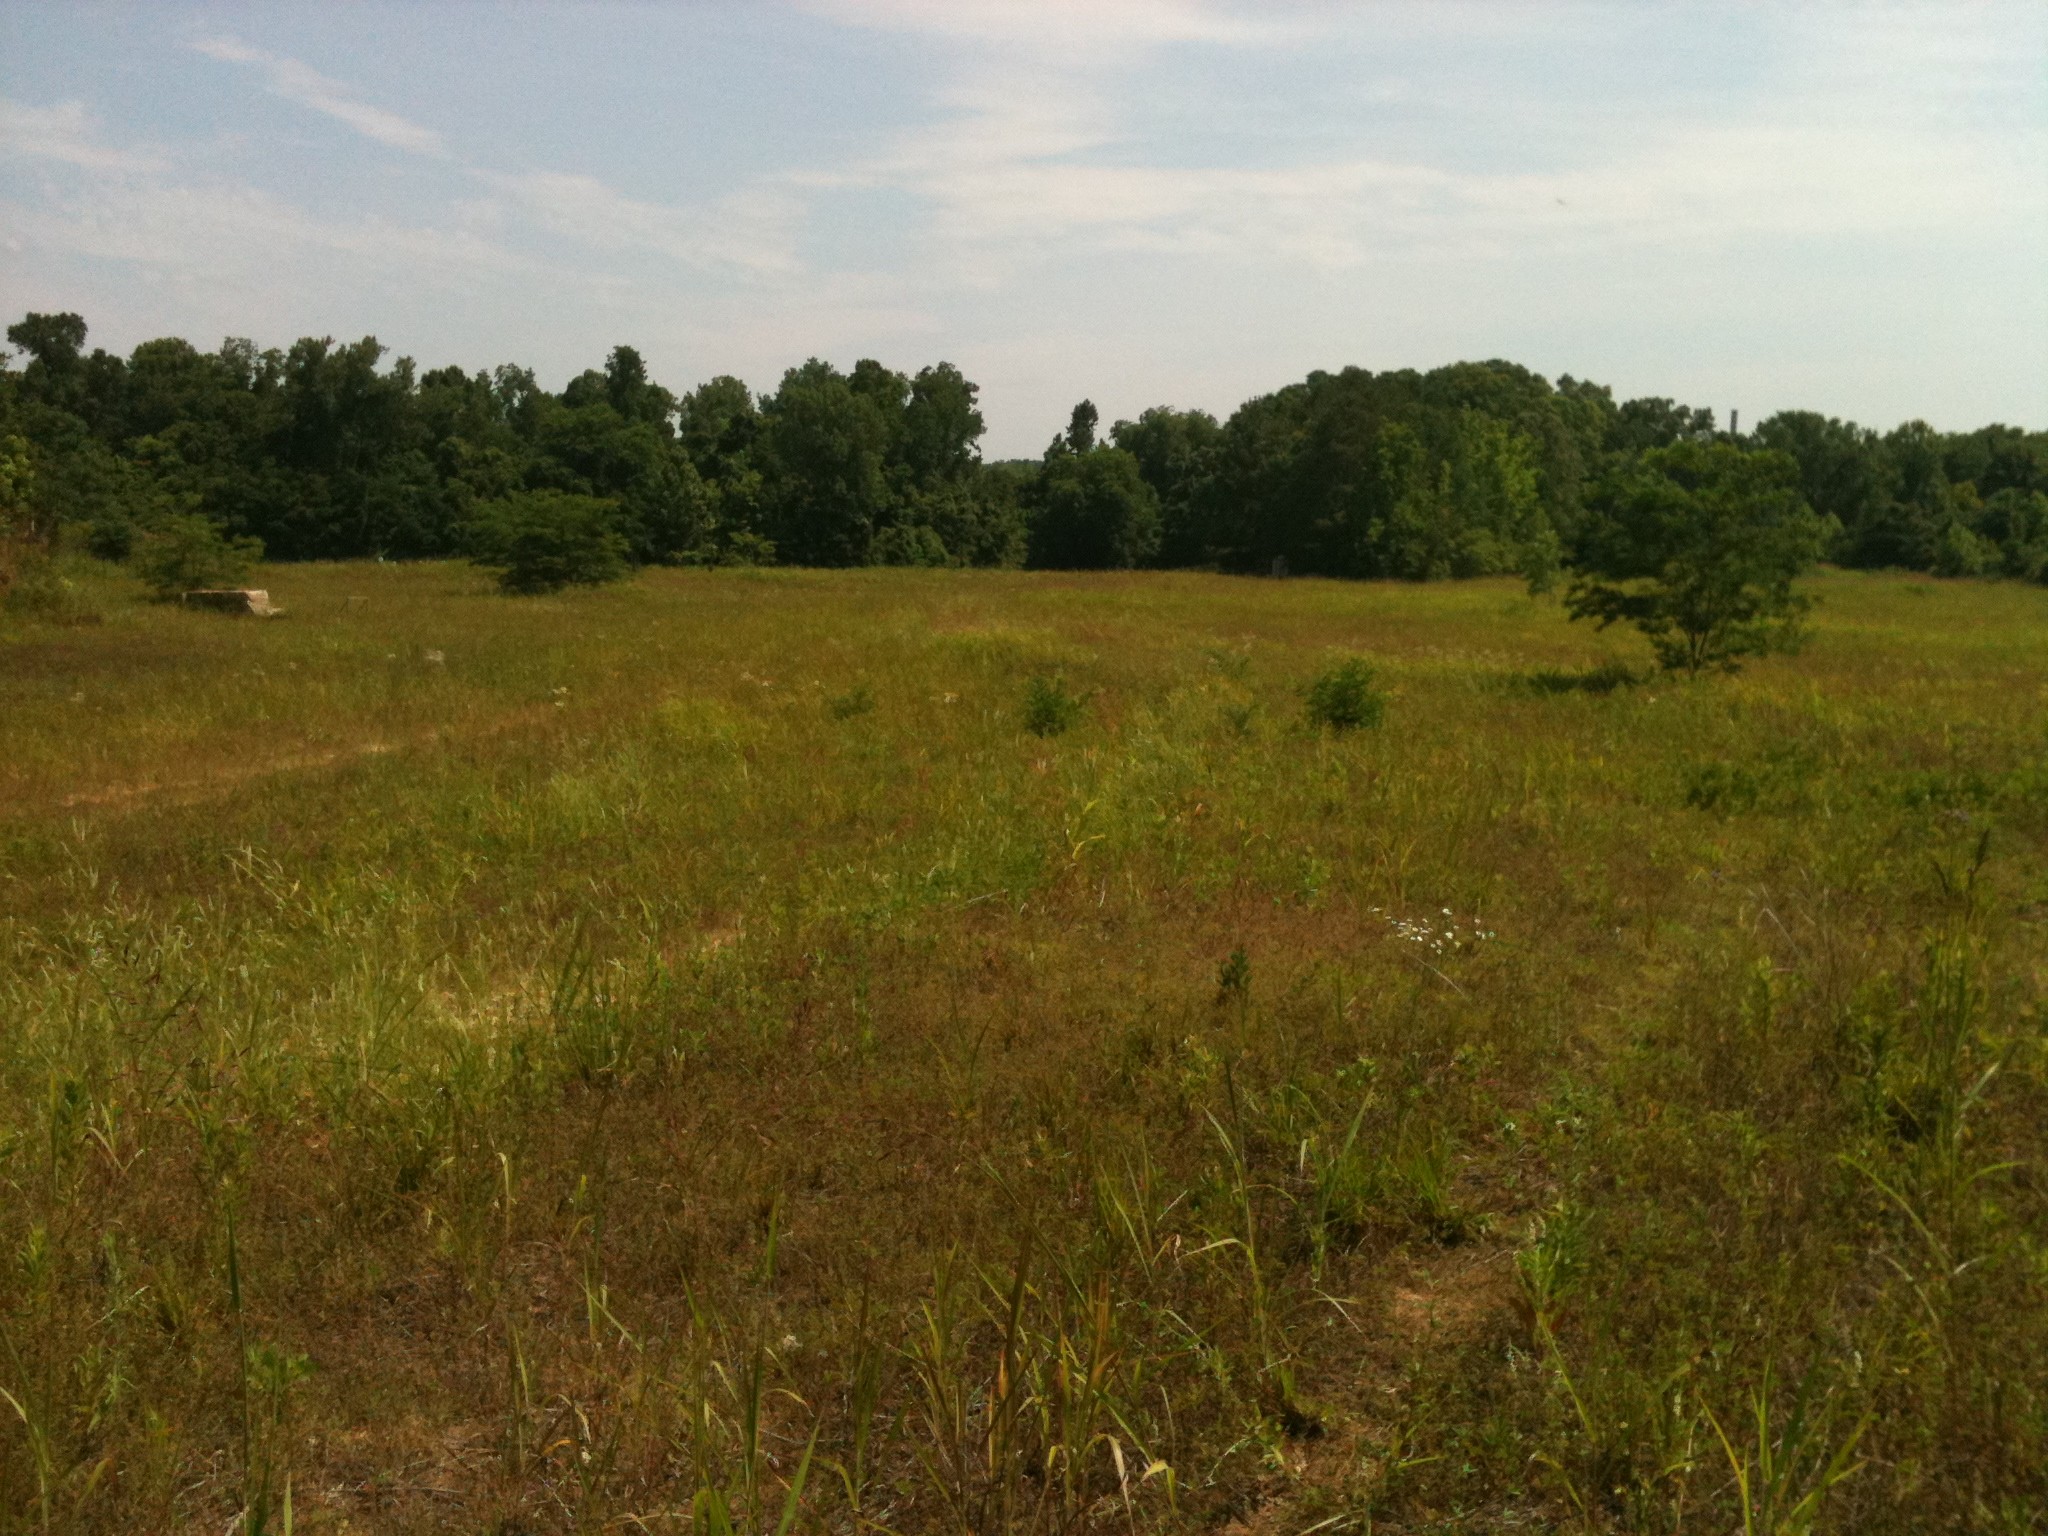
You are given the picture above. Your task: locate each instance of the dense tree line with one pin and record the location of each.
(326, 450)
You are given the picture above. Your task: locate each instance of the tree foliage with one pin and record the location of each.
(327, 449)
(19, 544)
(1093, 510)
(543, 541)
(185, 552)
(1346, 697)
(1697, 545)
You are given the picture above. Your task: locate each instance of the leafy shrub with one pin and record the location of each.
(1049, 710)
(21, 549)
(185, 552)
(1728, 788)
(110, 538)
(1601, 679)
(43, 589)
(543, 541)
(857, 700)
(1347, 697)
(909, 545)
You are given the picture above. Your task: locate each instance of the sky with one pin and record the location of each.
(1742, 206)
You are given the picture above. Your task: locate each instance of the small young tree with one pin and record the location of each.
(1697, 545)
(543, 541)
(20, 545)
(1347, 697)
(184, 552)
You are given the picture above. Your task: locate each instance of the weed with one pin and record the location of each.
(1346, 697)
(1786, 1469)
(857, 700)
(1233, 977)
(1727, 788)
(1600, 679)
(1049, 709)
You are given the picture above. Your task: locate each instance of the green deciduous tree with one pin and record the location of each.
(2016, 521)
(1093, 511)
(1697, 545)
(1080, 433)
(822, 452)
(328, 450)
(1177, 454)
(941, 428)
(1475, 511)
(543, 541)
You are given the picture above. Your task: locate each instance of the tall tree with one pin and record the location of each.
(941, 428)
(823, 447)
(1177, 455)
(1093, 511)
(1080, 435)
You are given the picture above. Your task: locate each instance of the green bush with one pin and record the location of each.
(186, 552)
(1346, 697)
(857, 700)
(1959, 552)
(21, 550)
(909, 545)
(1049, 710)
(1728, 788)
(110, 538)
(46, 589)
(543, 541)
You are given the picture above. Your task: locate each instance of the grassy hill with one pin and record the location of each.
(687, 1053)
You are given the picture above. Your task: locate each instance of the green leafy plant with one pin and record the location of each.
(1787, 1470)
(1697, 546)
(1049, 709)
(1346, 697)
(186, 552)
(1723, 787)
(857, 700)
(47, 588)
(20, 547)
(543, 541)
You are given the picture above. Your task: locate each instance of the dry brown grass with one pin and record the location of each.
(648, 1064)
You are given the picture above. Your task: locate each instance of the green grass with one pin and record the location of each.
(690, 1056)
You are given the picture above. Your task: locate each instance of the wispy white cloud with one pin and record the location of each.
(751, 231)
(68, 134)
(137, 204)
(1069, 27)
(309, 88)
(1038, 157)
(139, 209)
(222, 230)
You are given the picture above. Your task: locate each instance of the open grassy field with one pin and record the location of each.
(686, 1056)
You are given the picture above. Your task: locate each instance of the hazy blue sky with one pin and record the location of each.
(1146, 202)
